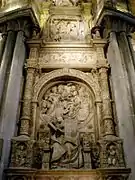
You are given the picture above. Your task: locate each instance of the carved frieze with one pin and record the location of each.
(67, 56)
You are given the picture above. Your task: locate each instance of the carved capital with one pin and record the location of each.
(23, 25)
(3, 28)
(31, 63)
(115, 24)
(19, 25)
(11, 25)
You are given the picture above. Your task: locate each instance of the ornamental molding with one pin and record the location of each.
(68, 73)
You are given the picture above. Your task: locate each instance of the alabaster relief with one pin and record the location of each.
(64, 28)
(68, 57)
(67, 110)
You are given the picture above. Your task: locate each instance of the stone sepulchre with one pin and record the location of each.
(67, 127)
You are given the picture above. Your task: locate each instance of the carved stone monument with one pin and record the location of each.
(67, 128)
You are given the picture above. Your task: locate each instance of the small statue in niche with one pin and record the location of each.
(112, 156)
(21, 155)
(65, 144)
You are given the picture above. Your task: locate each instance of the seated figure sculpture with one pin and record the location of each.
(66, 150)
(60, 109)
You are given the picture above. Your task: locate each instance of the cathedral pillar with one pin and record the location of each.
(2, 41)
(7, 56)
(129, 38)
(128, 61)
(108, 139)
(123, 97)
(25, 119)
(12, 96)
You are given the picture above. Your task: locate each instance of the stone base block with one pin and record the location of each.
(98, 174)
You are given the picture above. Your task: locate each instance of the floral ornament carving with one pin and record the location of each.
(68, 57)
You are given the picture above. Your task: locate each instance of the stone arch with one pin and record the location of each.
(49, 79)
(91, 82)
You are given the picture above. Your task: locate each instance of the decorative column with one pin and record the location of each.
(12, 96)
(23, 145)
(28, 92)
(128, 62)
(129, 38)
(108, 124)
(123, 97)
(122, 94)
(108, 140)
(7, 55)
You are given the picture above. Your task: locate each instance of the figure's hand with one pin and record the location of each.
(60, 131)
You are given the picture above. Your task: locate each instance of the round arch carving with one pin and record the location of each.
(91, 82)
(65, 116)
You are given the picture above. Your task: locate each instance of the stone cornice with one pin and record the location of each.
(114, 13)
(18, 13)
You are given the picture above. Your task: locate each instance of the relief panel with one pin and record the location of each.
(67, 114)
(67, 56)
(64, 28)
